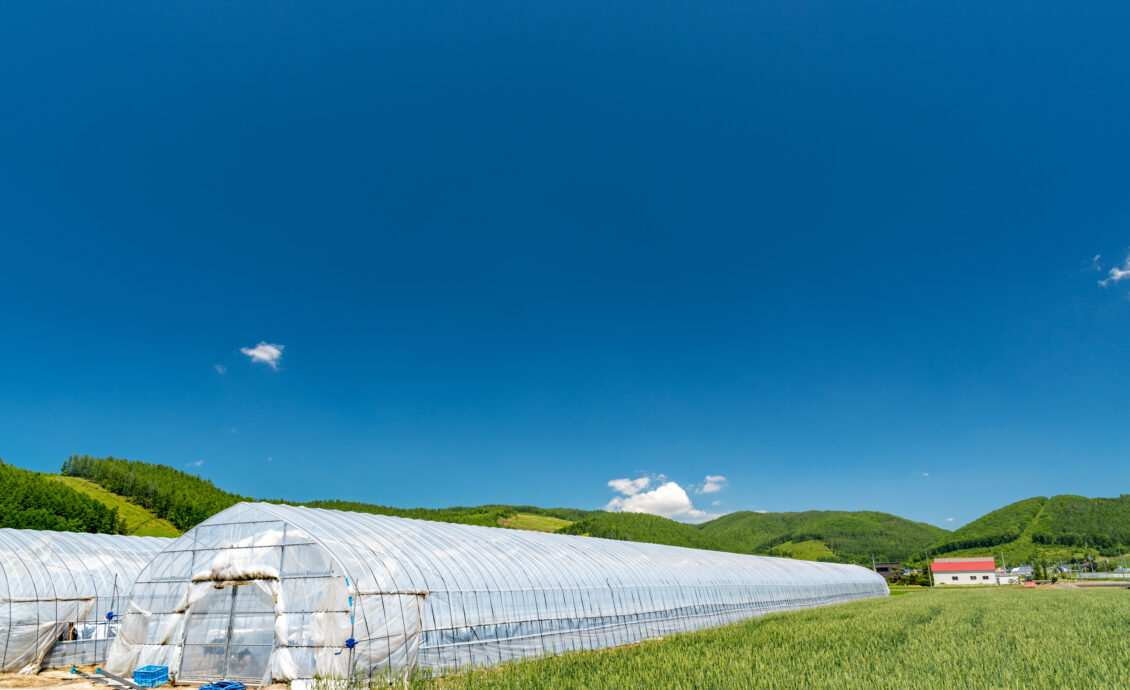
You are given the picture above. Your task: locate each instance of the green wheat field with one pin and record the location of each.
(980, 638)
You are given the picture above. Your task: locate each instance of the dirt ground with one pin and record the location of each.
(58, 678)
(47, 679)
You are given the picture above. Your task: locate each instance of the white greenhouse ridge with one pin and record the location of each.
(263, 592)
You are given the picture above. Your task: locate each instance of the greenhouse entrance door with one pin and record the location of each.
(230, 633)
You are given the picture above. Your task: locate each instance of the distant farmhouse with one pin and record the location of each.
(964, 571)
(889, 570)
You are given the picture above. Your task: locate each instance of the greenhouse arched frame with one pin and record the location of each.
(265, 592)
(59, 592)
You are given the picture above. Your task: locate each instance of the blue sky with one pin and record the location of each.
(838, 254)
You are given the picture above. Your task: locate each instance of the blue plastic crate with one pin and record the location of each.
(223, 685)
(151, 676)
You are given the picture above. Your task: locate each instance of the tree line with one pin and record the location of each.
(485, 515)
(187, 500)
(181, 498)
(29, 500)
(1072, 521)
(854, 536)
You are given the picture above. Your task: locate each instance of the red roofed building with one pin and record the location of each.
(964, 571)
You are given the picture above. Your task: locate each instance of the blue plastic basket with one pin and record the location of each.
(151, 676)
(223, 685)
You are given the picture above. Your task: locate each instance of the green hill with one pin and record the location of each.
(30, 500)
(534, 522)
(137, 521)
(1058, 528)
(999, 527)
(185, 500)
(1077, 521)
(851, 536)
(812, 535)
(179, 497)
(488, 515)
(806, 550)
(645, 528)
(1055, 528)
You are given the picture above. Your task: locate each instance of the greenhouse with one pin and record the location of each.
(263, 592)
(59, 594)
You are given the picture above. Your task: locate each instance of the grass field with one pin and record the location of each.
(139, 521)
(983, 638)
(535, 523)
(810, 550)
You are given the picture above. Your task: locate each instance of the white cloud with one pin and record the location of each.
(270, 459)
(1117, 273)
(716, 503)
(925, 474)
(267, 353)
(220, 368)
(630, 487)
(712, 484)
(761, 511)
(198, 463)
(949, 519)
(1095, 262)
(668, 500)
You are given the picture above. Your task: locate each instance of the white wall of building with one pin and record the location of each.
(966, 577)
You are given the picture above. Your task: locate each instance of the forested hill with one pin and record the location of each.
(179, 497)
(646, 528)
(1001, 526)
(30, 500)
(1047, 525)
(187, 500)
(1060, 523)
(852, 536)
(486, 515)
(813, 535)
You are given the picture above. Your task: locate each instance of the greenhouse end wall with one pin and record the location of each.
(58, 591)
(264, 592)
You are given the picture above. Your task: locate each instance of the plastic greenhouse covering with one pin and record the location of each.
(263, 592)
(57, 593)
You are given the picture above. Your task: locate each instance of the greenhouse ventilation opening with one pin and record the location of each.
(263, 592)
(59, 591)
